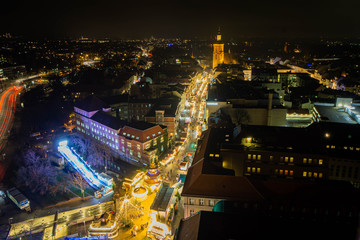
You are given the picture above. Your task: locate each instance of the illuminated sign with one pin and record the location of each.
(212, 103)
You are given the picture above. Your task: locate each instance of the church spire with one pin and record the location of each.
(218, 36)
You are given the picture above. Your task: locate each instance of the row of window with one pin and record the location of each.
(212, 155)
(201, 202)
(346, 171)
(104, 129)
(312, 174)
(345, 147)
(254, 157)
(310, 161)
(286, 159)
(137, 138)
(115, 146)
(284, 172)
(253, 170)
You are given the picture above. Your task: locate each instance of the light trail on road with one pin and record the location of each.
(7, 104)
(7, 110)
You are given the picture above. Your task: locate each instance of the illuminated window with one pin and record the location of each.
(320, 161)
(315, 174)
(254, 157)
(281, 172)
(192, 201)
(309, 174)
(258, 157)
(217, 155)
(332, 146)
(191, 212)
(129, 144)
(345, 147)
(310, 160)
(131, 152)
(357, 149)
(286, 172)
(304, 174)
(286, 159)
(201, 202)
(291, 159)
(320, 175)
(253, 169)
(249, 156)
(351, 148)
(271, 158)
(211, 155)
(258, 170)
(304, 160)
(211, 202)
(291, 172)
(327, 146)
(248, 169)
(138, 146)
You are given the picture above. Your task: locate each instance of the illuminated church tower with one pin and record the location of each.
(218, 54)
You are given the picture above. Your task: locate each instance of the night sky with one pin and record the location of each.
(198, 18)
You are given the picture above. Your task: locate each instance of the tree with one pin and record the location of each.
(79, 181)
(37, 174)
(241, 117)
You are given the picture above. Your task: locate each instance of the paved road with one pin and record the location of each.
(7, 110)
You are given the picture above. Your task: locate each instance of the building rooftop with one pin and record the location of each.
(206, 177)
(224, 226)
(91, 103)
(108, 120)
(333, 114)
(314, 139)
(169, 106)
(142, 131)
(162, 198)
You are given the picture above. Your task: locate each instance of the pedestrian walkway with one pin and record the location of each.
(138, 221)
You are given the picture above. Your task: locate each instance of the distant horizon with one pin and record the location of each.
(194, 38)
(186, 19)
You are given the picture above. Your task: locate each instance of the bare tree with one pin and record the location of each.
(37, 173)
(80, 182)
(94, 152)
(241, 117)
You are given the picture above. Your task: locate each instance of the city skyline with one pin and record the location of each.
(121, 20)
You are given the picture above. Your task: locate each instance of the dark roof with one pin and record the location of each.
(169, 106)
(141, 125)
(162, 198)
(224, 226)
(108, 120)
(204, 178)
(91, 103)
(311, 140)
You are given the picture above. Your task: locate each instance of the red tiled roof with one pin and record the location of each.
(142, 134)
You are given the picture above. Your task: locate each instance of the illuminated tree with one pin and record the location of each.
(80, 182)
